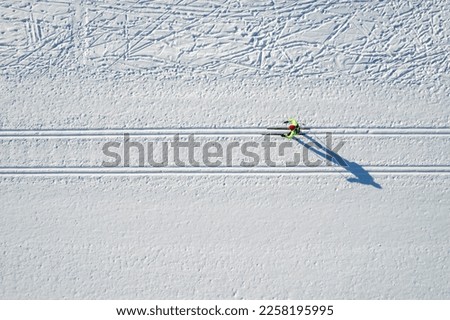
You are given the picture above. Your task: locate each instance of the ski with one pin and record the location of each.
(284, 128)
(278, 131)
(280, 134)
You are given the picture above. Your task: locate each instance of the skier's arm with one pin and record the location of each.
(293, 121)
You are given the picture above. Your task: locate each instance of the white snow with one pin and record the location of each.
(78, 74)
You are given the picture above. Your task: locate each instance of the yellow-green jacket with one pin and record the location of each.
(294, 132)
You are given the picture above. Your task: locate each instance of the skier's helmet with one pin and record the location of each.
(292, 127)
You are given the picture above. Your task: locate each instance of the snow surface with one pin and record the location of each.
(78, 74)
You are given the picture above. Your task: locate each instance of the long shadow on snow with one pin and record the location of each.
(360, 174)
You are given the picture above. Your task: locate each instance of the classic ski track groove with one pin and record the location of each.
(80, 171)
(375, 131)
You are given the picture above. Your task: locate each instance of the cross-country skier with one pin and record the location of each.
(294, 128)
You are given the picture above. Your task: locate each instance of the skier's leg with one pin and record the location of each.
(291, 134)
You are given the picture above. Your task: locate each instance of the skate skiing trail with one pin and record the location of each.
(77, 75)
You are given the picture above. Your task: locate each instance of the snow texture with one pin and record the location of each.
(78, 74)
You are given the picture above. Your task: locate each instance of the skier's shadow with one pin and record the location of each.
(360, 174)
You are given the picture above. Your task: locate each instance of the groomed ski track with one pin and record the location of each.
(342, 131)
(376, 170)
(62, 134)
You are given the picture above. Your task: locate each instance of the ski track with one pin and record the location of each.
(379, 131)
(52, 148)
(373, 41)
(77, 171)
